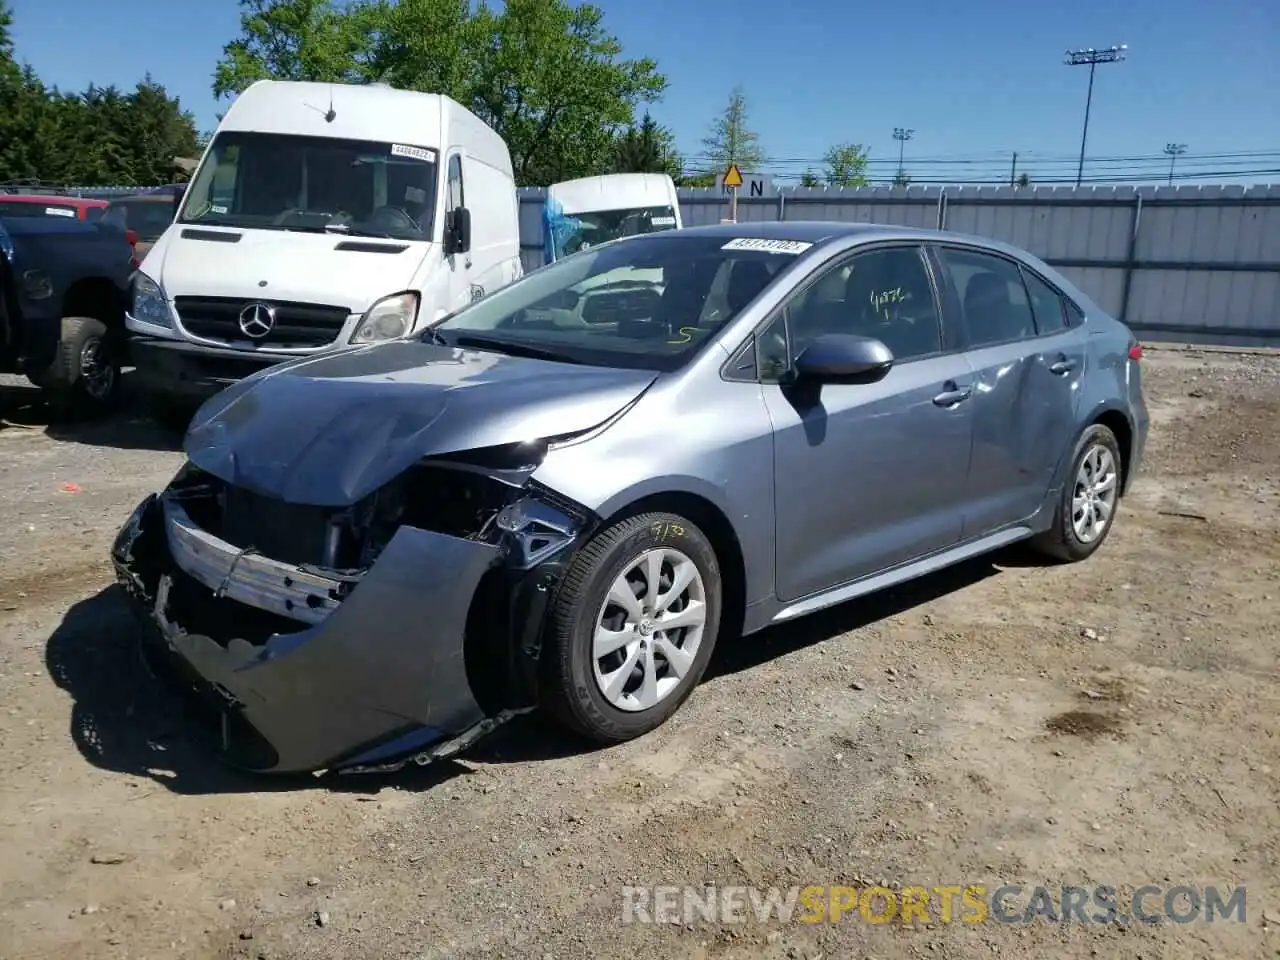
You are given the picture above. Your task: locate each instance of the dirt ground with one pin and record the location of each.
(1113, 723)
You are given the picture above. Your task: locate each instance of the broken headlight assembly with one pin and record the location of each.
(483, 494)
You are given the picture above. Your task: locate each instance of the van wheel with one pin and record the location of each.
(84, 377)
(632, 627)
(1089, 499)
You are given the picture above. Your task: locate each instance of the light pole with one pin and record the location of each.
(1091, 58)
(902, 135)
(1174, 150)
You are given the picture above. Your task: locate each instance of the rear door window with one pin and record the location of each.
(1046, 304)
(993, 296)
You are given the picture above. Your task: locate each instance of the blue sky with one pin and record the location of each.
(976, 80)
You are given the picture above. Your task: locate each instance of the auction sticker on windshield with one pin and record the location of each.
(418, 153)
(767, 246)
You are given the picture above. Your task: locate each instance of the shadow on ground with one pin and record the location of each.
(124, 721)
(128, 427)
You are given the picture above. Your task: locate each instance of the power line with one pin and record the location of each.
(1001, 159)
(1001, 179)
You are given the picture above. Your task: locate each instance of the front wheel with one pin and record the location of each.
(84, 377)
(1087, 505)
(632, 628)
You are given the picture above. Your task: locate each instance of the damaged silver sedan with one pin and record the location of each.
(561, 495)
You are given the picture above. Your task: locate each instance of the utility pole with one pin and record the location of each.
(1091, 58)
(902, 135)
(1174, 150)
(1013, 170)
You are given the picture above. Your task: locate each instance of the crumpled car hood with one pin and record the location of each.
(330, 430)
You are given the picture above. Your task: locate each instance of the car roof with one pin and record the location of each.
(146, 198)
(819, 231)
(50, 199)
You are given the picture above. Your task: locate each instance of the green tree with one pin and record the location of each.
(545, 74)
(696, 180)
(810, 179)
(297, 40)
(846, 165)
(1024, 179)
(646, 147)
(429, 45)
(160, 132)
(902, 179)
(96, 138)
(25, 123)
(731, 140)
(550, 80)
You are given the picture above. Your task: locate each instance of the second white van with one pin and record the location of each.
(582, 213)
(321, 215)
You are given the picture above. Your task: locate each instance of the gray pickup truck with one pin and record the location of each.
(64, 288)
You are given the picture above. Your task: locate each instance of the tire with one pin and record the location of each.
(572, 690)
(84, 377)
(1063, 541)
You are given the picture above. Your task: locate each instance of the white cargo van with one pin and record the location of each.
(321, 215)
(582, 213)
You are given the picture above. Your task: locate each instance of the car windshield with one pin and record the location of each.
(272, 181)
(572, 232)
(645, 303)
(148, 217)
(24, 208)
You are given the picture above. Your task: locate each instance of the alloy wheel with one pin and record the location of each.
(649, 629)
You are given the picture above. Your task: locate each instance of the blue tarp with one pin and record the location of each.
(557, 228)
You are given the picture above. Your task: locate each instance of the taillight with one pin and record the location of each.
(1135, 351)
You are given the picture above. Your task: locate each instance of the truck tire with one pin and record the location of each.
(84, 377)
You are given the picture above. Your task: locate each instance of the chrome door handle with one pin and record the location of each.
(1062, 366)
(949, 398)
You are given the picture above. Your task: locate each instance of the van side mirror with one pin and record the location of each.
(843, 358)
(457, 232)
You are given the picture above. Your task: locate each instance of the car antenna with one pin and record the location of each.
(332, 113)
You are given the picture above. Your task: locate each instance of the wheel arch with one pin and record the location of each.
(720, 531)
(1117, 421)
(96, 297)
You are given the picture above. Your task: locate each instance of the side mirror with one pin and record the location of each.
(457, 232)
(843, 358)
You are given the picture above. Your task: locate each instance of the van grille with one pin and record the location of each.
(296, 324)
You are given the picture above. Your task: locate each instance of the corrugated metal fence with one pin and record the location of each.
(1191, 264)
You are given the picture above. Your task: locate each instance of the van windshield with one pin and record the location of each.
(571, 232)
(273, 181)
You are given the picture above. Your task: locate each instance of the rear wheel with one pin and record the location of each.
(1089, 499)
(84, 377)
(632, 628)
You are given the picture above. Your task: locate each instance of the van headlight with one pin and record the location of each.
(149, 303)
(389, 318)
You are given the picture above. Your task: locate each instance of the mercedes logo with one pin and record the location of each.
(257, 319)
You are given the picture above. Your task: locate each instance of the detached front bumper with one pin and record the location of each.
(337, 672)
